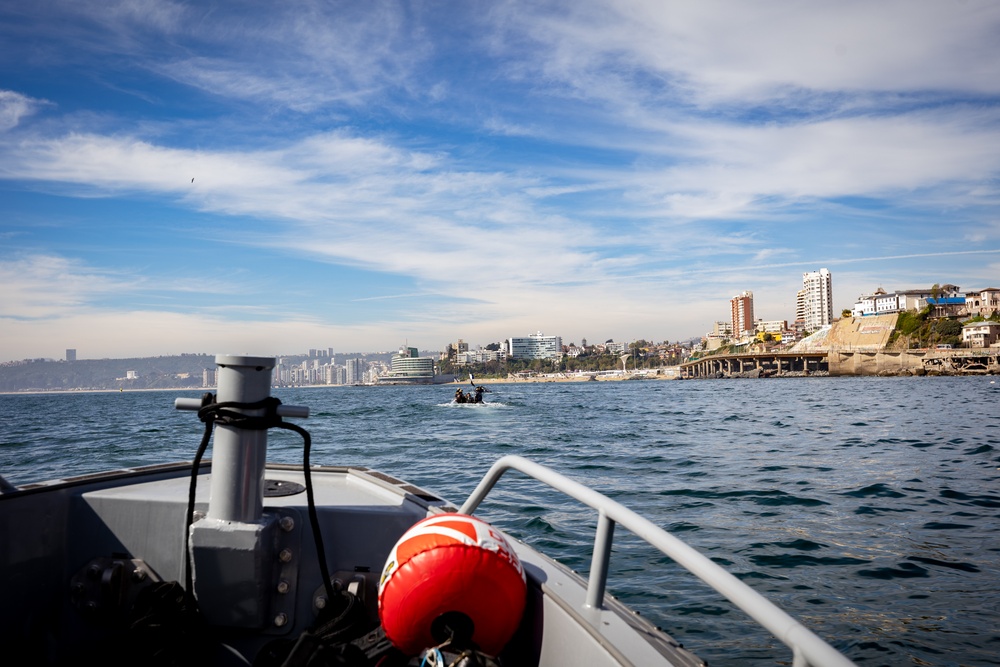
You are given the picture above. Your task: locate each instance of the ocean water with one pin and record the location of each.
(867, 508)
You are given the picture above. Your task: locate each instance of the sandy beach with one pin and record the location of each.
(669, 373)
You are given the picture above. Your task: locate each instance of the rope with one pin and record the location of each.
(433, 658)
(206, 400)
(223, 413)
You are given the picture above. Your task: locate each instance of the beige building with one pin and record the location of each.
(983, 302)
(772, 326)
(981, 334)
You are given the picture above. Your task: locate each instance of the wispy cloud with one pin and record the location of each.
(716, 53)
(15, 106)
(512, 167)
(41, 286)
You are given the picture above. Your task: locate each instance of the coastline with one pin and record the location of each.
(671, 375)
(572, 378)
(653, 375)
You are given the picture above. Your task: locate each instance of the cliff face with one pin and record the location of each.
(851, 333)
(860, 347)
(862, 333)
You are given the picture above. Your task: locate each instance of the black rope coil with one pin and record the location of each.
(212, 413)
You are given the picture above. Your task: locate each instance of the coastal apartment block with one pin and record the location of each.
(741, 307)
(881, 302)
(453, 350)
(813, 311)
(814, 302)
(534, 346)
(984, 302)
(981, 334)
(480, 356)
(945, 300)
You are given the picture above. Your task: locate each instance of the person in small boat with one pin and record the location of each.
(460, 396)
(478, 398)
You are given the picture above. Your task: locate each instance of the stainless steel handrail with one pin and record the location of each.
(807, 648)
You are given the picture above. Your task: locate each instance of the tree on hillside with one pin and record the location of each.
(948, 332)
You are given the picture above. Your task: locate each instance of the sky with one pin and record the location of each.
(269, 177)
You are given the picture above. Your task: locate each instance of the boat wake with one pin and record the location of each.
(473, 406)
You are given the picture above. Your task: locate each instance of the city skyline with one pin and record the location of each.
(243, 180)
(748, 316)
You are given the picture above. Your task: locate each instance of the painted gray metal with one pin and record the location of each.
(807, 647)
(239, 455)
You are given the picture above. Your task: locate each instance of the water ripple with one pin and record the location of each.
(865, 507)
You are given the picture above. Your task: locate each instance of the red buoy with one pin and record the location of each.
(451, 575)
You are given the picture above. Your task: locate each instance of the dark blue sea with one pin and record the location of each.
(867, 508)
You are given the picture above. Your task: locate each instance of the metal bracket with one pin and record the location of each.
(106, 588)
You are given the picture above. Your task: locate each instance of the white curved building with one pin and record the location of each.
(407, 366)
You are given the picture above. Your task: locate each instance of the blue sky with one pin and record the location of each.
(264, 178)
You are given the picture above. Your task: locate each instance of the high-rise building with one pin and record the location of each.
(535, 346)
(335, 374)
(70, 355)
(355, 371)
(742, 308)
(814, 302)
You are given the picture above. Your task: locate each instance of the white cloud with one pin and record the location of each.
(634, 163)
(303, 56)
(333, 196)
(721, 52)
(15, 106)
(43, 286)
(732, 171)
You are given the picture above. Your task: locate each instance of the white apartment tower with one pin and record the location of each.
(535, 346)
(814, 303)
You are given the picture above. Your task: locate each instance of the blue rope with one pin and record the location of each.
(436, 659)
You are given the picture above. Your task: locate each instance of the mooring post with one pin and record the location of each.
(239, 455)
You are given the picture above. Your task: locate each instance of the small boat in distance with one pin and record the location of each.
(237, 561)
(473, 396)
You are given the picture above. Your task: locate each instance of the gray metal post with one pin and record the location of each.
(600, 560)
(239, 455)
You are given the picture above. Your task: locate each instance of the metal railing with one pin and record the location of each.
(807, 647)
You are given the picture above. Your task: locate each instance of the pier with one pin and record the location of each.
(761, 364)
(846, 362)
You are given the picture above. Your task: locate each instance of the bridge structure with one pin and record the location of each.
(846, 362)
(760, 364)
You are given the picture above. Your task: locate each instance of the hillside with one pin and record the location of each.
(183, 371)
